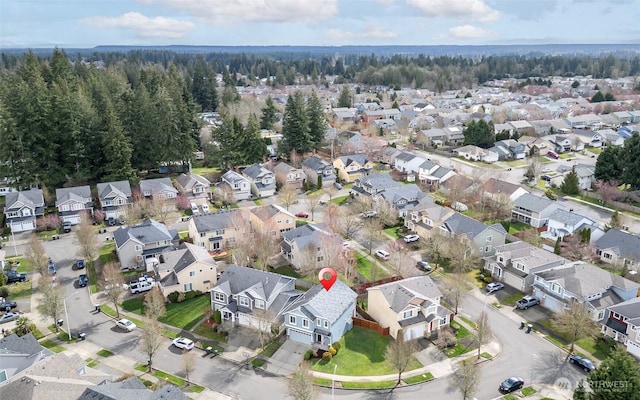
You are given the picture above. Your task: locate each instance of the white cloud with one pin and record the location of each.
(385, 2)
(144, 26)
(227, 12)
(469, 32)
(371, 31)
(475, 10)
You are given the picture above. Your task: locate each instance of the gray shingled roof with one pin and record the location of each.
(583, 279)
(232, 177)
(236, 279)
(267, 212)
(315, 163)
(78, 193)
(405, 156)
(629, 308)
(621, 243)
(461, 224)
(122, 188)
(131, 388)
(214, 221)
(328, 304)
(378, 181)
(569, 218)
(254, 171)
(305, 235)
(32, 198)
(158, 185)
(359, 158)
(188, 181)
(148, 231)
(185, 255)
(25, 345)
(400, 294)
(411, 193)
(441, 172)
(532, 202)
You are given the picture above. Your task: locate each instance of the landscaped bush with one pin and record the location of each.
(4, 291)
(192, 294)
(326, 356)
(308, 355)
(173, 297)
(332, 351)
(337, 346)
(217, 316)
(181, 297)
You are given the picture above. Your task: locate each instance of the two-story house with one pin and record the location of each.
(147, 239)
(263, 181)
(216, 231)
(237, 184)
(158, 188)
(517, 151)
(253, 298)
(314, 166)
(561, 143)
(402, 198)
(454, 135)
(17, 354)
(272, 219)
(311, 245)
(475, 153)
(73, 202)
(373, 184)
(622, 323)
(427, 217)
(438, 176)
(586, 176)
(411, 304)
(115, 198)
(514, 264)
(287, 175)
(320, 316)
(533, 210)
(187, 267)
(408, 163)
(583, 282)
(497, 189)
(619, 248)
(23, 208)
(388, 155)
(562, 223)
(352, 167)
(194, 186)
(484, 237)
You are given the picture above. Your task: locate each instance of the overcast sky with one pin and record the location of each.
(88, 23)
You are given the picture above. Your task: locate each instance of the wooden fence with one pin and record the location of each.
(371, 325)
(362, 288)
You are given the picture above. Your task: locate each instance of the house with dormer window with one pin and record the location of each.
(23, 208)
(403, 198)
(373, 184)
(619, 248)
(216, 231)
(585, 283)
(485, 238)
(272, 219)
(321, 317)
(411, 304)
(352, 167)
(194, 186)
(314, 166)
(148, 239)
(158, 188)
(188, 267)
(311, 246)
(426, 218)
(621, 322)
(262, 181)
(115, 198)
(287, 175)
(237, 184)
(253, 298)
(514, 264)
(73, 202)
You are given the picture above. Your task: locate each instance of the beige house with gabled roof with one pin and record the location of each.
(273, 218)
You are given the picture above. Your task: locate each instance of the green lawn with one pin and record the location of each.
(204, 170)
(183, 315)
(367, 268)
(393, 232)
(369, 385)
(287, 270)
(196, 388)
(418, 378)
(258, 202)
(20, 290)
(51, 345)
(24, 265)
(361, 353)
(461, 331)
(322, 382)
(104, 353)
(106, 253)
(340, 200)
(457, 350)
(175, 380)
(595, 150)
(271, 348)
(528, 391)
(204, 330)
(597, 348)
(515, 227)
(511, 300)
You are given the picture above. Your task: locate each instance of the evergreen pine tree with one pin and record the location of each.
(345, 97)
(570, 184)
(269, 116)
(556, 247)
(295, 127)
(317, 123)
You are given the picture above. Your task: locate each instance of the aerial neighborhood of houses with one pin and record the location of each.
(399, 204)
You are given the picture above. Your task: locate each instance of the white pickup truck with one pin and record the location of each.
(142, 285)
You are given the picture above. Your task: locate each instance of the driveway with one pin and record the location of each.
(286, 359)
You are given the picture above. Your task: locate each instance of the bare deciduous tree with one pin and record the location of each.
(346, 264)
(462, 254)
(331, 191)
(371, 232)
(466, 379)
(188, 363)
(575, 322)
(436, 247)
(399, 258)
(287, 195)
(332, 217)
(52, 301)
(482, 334)
(87, 239)
(151, 339)
(35, 254)
(264, 322)
(301, 384)
(399, 353)
(154, 304)
(608, 191)
(573, 248)
(161, 207)
(312, 202)
(456, 286)
(112, 283)
(534, 166)
(349, 222)
(387, 215)
(224, 194)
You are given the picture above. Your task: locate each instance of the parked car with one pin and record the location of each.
(51, 267)
(83, 280)
(511, 384)
(383, 254)
(302, 215)
(582, 362)
(369, 214)
(183, 343)
(80, 264)
(15, 276)
(205, 208)
(337, 185)
(125, 324)
(546, 178)
(111, 221)
(526, 302)
(9, 316)
(411, 238)
(423, 265)
(553, 154)
(494, 286)
(546, 170)
(66, 227)
(194, 209)
(7, 305)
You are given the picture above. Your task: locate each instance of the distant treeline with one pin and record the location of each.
(437, 73)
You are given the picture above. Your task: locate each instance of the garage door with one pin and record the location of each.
(633, 348)
(23, 226)
(414, 333)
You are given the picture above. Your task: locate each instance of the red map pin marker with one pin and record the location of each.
(327, 277)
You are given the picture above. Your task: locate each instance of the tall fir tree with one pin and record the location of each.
(345, 97)
(317, 123)
(269, 117)
(571, 183)
(116, 148)
(295, 127)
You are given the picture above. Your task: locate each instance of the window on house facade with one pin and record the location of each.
(64, 207)
(77, 206)
(188, 287)
(217, 296)
(501, 259)
(203, 234)
(259, 303)
(489, 239)
(407, 314)
(600, 315)
(487, 249)
(305, 323)
(279, 221)
(556, 288)
(138, 247)
(192, 273)
(615, 315)
(326, 324)
(431, 309)
(220, 232)
(243, 301)
(292, 319)
(519, 266)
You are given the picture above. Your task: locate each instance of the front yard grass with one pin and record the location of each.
(322, 382)
(457, 350)
(367, 268)
(393, 232)
(598, 348)
(175, 380)
(184, 315)
(271, 348)
(51, 345)
(340, 200)
(206, 331)
(528, 391)
(19, 290)
(106, 253)
(287, 270)
(362, 352)
(511, 299)
(104, 353)
(418, 378)
(369, 385)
